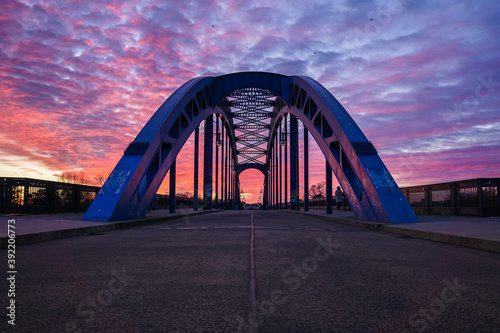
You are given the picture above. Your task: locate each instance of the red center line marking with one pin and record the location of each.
(253, 301)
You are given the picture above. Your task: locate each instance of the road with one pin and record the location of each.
(253, 271)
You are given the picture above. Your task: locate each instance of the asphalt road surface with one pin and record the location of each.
(252, 272)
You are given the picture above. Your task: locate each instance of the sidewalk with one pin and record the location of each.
(31, 229)
(481, 233)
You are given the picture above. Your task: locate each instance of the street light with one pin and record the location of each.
(218, 142)
(283, 139)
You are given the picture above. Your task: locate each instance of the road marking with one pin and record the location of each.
(242, 227)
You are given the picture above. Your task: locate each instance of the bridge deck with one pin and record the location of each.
(474, 231)
(296, 273)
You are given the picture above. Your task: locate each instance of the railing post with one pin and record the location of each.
(76, 197)
(428, 200)
(480, 196)
(2, 196)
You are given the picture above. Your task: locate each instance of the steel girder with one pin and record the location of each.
(370, 188)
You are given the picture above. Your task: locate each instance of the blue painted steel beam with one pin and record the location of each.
(306, 169)
(294, 163)
(207, 164)
(276, 170)
(286, 160)
(171, 193)
(216, 162)
(329, 191)
(196, 166)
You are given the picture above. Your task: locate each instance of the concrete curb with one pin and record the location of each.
(465, 241)
(46, 236)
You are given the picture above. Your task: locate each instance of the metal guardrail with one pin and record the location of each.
(33, 196)
(474, 197)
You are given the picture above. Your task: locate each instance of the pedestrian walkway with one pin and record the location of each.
(476, 232)
(471, 231)
(39, 228)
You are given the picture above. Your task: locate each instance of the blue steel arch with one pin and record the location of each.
(131, 186)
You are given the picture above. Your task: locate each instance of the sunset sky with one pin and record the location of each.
(80, 78)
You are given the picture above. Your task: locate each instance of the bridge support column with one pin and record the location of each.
(196, 164)
(294, 163)
(217, 161)
(231, 179)
(280, 163)
(229, 182)
(265, 195)
(276, 170)
(286, 161)
(225, 170)
(222, 175)
(171, 192)
(306, 169)
(271, 180)
(237, 190)
(329, 191)
(207, 164)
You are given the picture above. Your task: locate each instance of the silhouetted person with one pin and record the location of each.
(338, 197)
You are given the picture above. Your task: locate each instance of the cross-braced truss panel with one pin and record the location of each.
(251, 109)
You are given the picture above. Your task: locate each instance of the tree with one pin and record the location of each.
(101, 178)
(185, 195)
(317, 190)
(72, 177)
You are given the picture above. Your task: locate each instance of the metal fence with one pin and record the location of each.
(477, 197)
(473, 197)
(32, 196)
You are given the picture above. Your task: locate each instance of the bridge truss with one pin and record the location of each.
(257, 126)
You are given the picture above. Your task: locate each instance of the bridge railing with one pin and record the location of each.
(472, 197)
(475, 197)
(34, 196)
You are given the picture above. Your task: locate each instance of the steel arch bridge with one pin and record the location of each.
(256, 117)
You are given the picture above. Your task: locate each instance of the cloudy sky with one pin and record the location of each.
(80, 78)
